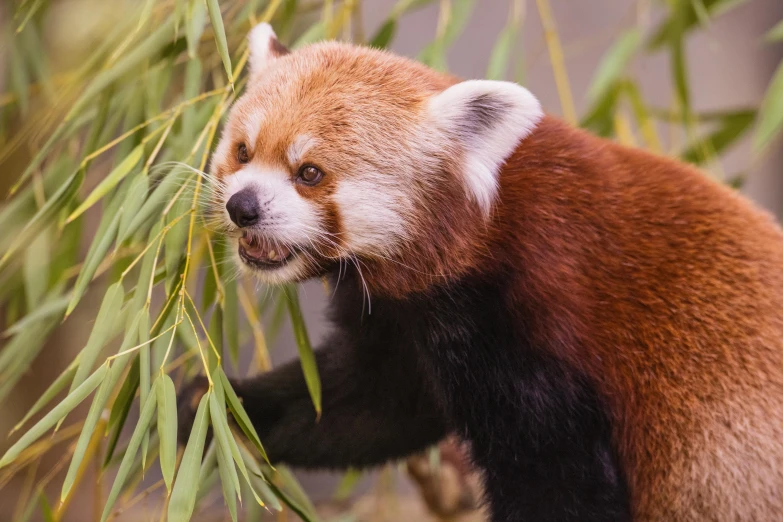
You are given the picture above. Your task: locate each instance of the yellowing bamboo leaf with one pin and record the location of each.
(145, 416)
(183, 495)
(110, 181)
(58, 412)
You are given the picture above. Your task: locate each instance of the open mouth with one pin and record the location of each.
(261, 253)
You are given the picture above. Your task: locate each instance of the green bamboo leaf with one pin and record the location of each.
(384, 36)
(56, 387)
(220, 36)
(110, 181)
(614, 63)
(230, 494)
(306, 355)
(193, 74)
(58, 412)
(222, 434)
(120, 409)
(775, 34)
(154, 203)
(100, 245)
(139, 53)
(689, 18)
(347, 484)
(231, 319)
(197, 18)
(599, 116)
(315, 33)
(258, 480)
(208, 465)
(137, 193)
(44, 216)
(49, 308)
(216, 336)
(46, 508)
(102, 330)
(731, 129)
(239, 414)
(771, 113)
(96, 409)
(19, 353)
(145, 416)
(498, 60)
(144, 385)
(167, 429)
(36, 268)
(140, 322)
(177, 236)
(296, 500)
(183, 495)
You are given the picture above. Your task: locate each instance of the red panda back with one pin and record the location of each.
(666, 289)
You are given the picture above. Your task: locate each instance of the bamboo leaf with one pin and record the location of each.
(197, 18)
(775, 34)
(56, 387)
(142, 51)
(110, 181)
(49, 308)
(145, 416)
(231, 319)
(689, 19)
(121, 408)
(239, 413)
(167, 429)
(58, 412)
(306, 355)
(222, 434)
(152, 206)
(220, 36)
(385, 34)
(613, 63)
(137, 193)
(183, 495)
(102, 329)
(498, 60)
(36, 268)
(44, 216)
(228, 482)
(731, 129)
(315, 33)
(770, 113)
(144, 375)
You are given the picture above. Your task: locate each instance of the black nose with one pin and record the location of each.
(243, 208)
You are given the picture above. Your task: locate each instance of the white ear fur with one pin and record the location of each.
(264, 48)
(487, 119)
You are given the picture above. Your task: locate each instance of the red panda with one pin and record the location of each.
(603, 326)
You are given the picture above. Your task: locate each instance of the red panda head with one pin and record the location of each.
(337, 153)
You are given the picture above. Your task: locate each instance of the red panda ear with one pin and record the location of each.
(487, 120)
(264, 48)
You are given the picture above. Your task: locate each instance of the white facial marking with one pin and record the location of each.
(286, 217)
(488, 119)
(374, 213)
(299, 147)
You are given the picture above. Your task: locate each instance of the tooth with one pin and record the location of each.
(272, 254)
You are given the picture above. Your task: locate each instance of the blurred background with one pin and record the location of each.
(613, 66)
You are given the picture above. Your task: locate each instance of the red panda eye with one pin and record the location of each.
(242, 156)
(310, 175)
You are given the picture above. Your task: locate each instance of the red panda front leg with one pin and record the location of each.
(367, 417)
